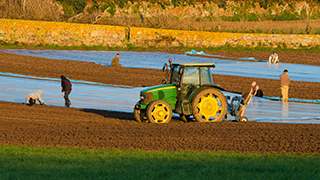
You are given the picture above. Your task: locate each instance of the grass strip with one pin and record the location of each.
(76, 163)
(130, 47)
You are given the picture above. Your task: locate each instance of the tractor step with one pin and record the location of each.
(185, 106)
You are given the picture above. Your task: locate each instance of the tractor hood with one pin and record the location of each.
(159, 88)
(167, 93)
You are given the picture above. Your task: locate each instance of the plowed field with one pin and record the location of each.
(70, 127)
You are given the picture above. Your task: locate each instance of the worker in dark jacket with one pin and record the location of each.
(66, 86)
(166, 69)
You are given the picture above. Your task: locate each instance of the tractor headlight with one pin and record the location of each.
(146, 97)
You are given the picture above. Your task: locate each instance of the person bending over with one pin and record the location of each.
(33, 97)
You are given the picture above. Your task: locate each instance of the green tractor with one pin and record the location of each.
(190, 92)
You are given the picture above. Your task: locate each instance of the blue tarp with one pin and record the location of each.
(15, 89)
(194, 52)
(294, 99)
(155, 60)
(121, 86)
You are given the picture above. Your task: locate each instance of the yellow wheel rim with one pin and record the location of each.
(209, 106)
(160, 113)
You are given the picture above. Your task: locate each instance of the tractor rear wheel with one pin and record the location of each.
(139, 115)
(209, 105)
(159, 111)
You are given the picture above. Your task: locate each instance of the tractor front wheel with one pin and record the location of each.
(159, 111)
(209, 105)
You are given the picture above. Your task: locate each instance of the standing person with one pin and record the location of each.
(285, 81)
(33, 97)
(273, 57)
(255, 90)
(115, 61)
(170, 63)
(166, 68)
(66, 86)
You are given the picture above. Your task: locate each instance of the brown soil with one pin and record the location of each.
(70, 127)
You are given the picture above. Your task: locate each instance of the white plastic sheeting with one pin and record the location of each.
(123, 99)
(155, 60)
(82, 96)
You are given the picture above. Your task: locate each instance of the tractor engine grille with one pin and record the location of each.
(146, 97)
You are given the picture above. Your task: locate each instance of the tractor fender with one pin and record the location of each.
(204, 87)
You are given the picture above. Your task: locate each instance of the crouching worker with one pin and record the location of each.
(33, 97)
(115, 61)
(273, 58)
(255, 90)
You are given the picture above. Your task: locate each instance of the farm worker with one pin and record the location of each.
(115, 61)
(285, 81)
(273, 57)
(66, 87)
(255, 90)
(166, 68)
(170, 61)
(33, 97)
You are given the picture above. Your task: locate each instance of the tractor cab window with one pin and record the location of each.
(190, 81)
(206, 77)
(175, 75)
(191, 76)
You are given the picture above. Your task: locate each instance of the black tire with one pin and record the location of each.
(159, 111)
(209, 105)
(139, 115)
(243, 119)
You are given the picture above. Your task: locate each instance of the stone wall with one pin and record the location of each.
(63, 34)
(72, 34)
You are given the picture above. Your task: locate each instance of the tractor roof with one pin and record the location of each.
(195, 64)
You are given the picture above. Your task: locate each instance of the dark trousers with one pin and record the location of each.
(32, 101)
(259, 93)
(66, 97)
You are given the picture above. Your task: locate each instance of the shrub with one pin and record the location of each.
(317, 31)
(47, 10)
(77, 6)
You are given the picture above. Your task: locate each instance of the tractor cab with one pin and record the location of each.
(190, 76)
(188, 79)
